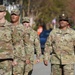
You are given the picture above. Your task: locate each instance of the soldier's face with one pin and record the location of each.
(14, 18)
(27, 25)
(63, 24)
(2, 15)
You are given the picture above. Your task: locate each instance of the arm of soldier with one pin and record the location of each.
(16, 46)
(26, 44)
(27, 54)
(12, 34)
(73, 38)
(37, 47)
(26, 36)
(74, 42)
(48, 49)
(27, 61)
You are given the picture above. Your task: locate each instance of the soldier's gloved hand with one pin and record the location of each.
(45, 62)
(14, 63)
(27, 61)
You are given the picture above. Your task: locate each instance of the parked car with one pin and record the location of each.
(43, 38)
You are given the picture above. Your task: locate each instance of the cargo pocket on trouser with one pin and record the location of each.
(69, 69)
(5, 67)
(19, 68)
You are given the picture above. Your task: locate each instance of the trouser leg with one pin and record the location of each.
(6, 67)
(56, 69)
(28, 69)
(19, 68)
(69, 69)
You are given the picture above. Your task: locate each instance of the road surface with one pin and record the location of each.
(40, 68)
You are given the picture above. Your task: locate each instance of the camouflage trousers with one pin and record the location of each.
(28, 69)
(67, 69)
(19, 68)
(5, 67)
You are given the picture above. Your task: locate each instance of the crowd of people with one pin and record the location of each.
(18, 41)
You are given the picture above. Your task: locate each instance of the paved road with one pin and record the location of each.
(41, 69)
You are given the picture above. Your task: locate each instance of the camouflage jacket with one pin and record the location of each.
(19, 50)
(60, 47)
(32, 43)
(6, 45)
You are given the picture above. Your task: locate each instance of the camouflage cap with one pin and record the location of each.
(2, 8)
(25, 19)
(15, 11)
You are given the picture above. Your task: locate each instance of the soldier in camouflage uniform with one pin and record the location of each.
(6, 44)
(19, 52)
(59, 48)
(32, 43)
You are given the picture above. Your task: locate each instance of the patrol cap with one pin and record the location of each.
(2, 8)
(15, 12)
(63, 17)
(25, 19)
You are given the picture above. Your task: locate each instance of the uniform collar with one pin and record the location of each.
(67, 31)
(3, 24)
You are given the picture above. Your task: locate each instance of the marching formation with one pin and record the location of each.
(18, 43)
